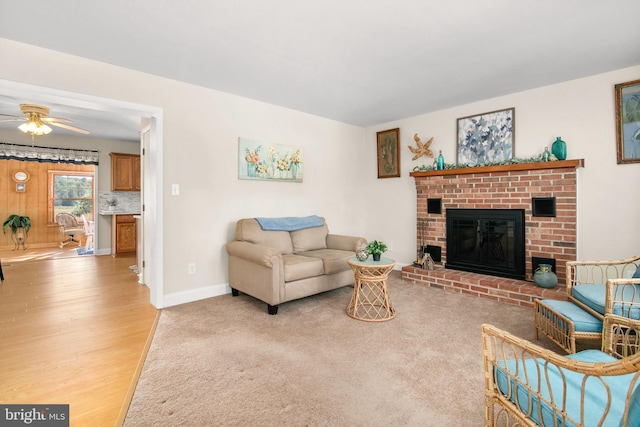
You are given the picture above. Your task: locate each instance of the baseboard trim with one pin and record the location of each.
(184, 297)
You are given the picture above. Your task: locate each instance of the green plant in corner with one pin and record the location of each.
(19, 226)
(14, 222)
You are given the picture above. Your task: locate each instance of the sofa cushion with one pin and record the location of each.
(335, 260)
(249, 230)
(309, 239)
(301, 267)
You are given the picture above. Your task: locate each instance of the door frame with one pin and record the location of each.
(153, 166)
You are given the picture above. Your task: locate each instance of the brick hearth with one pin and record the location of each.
(501, 187)
(517, 292)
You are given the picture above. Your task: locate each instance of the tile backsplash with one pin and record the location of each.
(128, 201)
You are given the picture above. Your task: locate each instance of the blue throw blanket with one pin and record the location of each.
(290, 223)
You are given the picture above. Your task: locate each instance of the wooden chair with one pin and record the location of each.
(69, 228)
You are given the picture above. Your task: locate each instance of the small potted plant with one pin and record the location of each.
(376, 248)
(112, 202)
(19, 226)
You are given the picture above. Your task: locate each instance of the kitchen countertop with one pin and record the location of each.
(118, 213)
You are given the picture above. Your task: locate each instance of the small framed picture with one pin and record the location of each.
(628, 122)
(20, 187)
(487, 137)
(388, 153)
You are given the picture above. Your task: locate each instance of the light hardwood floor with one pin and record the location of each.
(73, 330)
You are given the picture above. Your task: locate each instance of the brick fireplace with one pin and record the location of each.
(548, 235)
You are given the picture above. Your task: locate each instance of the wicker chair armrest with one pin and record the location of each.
(620, 336)
(623, 297)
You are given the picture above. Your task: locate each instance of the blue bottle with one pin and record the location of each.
(440, 161)
(559, 149)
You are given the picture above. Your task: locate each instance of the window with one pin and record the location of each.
(70, 192)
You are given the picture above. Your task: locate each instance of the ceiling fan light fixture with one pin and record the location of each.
(35, 128)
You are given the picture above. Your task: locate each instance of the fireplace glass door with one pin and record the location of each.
(487, 241)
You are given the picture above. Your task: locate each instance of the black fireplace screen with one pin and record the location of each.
(487, 241)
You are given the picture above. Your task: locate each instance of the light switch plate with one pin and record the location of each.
(175, 189)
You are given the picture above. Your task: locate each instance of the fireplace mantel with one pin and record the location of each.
(578, 163)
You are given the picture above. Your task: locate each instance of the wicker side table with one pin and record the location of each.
(370, 300)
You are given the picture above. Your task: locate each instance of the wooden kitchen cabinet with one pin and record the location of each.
(123, 235)
(125, 172)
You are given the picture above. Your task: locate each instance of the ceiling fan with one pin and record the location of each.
(37, 119)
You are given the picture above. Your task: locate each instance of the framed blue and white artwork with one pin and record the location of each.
(486, 138)
(628, 121)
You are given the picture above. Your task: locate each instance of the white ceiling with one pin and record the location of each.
(364, 62)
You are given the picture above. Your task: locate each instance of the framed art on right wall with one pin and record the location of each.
(628, 122)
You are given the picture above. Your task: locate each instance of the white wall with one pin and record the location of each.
(580, 111)
(202, 126)
(201, 131)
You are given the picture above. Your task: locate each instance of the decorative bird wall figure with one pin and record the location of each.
(422, 148)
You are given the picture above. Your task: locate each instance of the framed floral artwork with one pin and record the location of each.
(388, 148)
(486, 138)
(271, 162)
(628, 122)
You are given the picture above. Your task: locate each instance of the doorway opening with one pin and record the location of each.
(152, 214)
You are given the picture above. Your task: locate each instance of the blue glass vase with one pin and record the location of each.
(440, 161)
(559, 149)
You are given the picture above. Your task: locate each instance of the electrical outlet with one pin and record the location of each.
(192, 268)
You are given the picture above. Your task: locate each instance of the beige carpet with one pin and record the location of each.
(225, 362)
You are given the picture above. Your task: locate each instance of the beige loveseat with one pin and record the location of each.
(280, 266)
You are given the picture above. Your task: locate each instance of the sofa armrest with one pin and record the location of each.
(345, 243)
(258, 254)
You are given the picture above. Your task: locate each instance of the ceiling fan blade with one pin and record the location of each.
(73, 128)
(13, 120)
(12, 115)
(55, 119)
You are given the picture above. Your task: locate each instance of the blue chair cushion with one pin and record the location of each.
(636, 275)
(582, 321)
(634, 409)
(594, 297)
(595, 398)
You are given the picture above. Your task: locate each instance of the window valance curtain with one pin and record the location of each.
(34, 153)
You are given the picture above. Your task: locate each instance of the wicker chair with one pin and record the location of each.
(595, 288)
(527, 385)
(597, 273)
